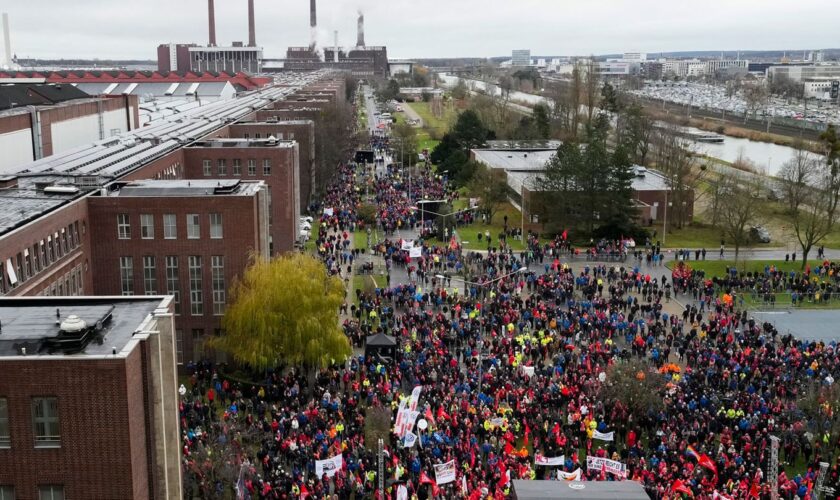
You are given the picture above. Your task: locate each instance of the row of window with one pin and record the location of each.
(70, 283)
(45, 424)
(235, 167)
(170, 226)
(173, 285)
(39, 256)
(279, 136)
(45, 492)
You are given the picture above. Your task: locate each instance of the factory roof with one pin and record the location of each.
(523, 145)
(185, 188)
(590, 490)
(269, 142)
(47, 184)
(38, 327)
(524, 168)
(176, 89)
(248, 82)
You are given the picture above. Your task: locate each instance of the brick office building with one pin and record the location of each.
(188, 239)
(47, 237)
(88, 398)
(300, 131)
(274, 161)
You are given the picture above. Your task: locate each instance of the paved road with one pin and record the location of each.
(370, 109)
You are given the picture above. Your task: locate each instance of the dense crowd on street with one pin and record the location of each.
(514, 352)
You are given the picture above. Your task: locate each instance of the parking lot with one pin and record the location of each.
(714, 97)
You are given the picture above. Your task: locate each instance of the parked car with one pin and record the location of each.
(759, 234)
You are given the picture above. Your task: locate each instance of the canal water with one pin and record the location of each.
(767, 158)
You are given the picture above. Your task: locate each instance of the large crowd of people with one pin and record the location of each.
(515, 352)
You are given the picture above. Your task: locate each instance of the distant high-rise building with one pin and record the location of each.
(521, 57)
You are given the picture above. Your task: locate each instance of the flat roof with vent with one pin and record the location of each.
(184, 188)
(32, 326)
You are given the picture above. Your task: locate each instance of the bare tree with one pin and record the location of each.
(591, 90)
(678, 165)
(756, 96)
(811, 191)
(740, 211)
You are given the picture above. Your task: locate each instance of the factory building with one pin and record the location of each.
(234, 58)
(89, 397)
(197, 185)
(44, 119)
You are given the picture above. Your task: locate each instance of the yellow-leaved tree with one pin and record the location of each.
(285, 311)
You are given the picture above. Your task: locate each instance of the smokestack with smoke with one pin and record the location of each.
(313, 26)
(7, 39)
(211, 19)
(335, 51)
(252, 36)
(360, 39)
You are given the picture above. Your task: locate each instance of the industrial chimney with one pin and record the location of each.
(211, 15)
(313, 26)
(335, 52)
(360, 40)
(7, 39)
(252, 36)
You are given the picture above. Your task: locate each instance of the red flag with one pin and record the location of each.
(425, 479)
(679, 487)
(706, 461)
(429, 415)
(441, 413)
(508, 448)
(753, 490)
(503, 471)
(303, 491)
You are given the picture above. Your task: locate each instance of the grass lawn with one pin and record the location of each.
(360, 239)
(360, 282)
(718, 267)
(432, 122)
(469, 234)
(693, 236)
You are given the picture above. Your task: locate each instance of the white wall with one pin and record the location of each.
(16, 149)
(79, 131)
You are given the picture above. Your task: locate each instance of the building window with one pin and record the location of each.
(52, 248)
(216, 226)
(45, 422)
(193, 227)
(217, 266)
(237, 167)
(149, 276)
(50, 492)
(196, 292)
(5, 434)
(7, 492)
(257, 136)
(36, 258)
(208, 168)
(170, 226)
(147, 226)
(127, 275)
(222, 164)
(198, 343)
(173, 285)
(179, 346)
(123, 228)
(43, 247)
(252, 167)
(266, 166)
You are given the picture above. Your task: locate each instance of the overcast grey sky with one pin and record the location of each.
(426, 28)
